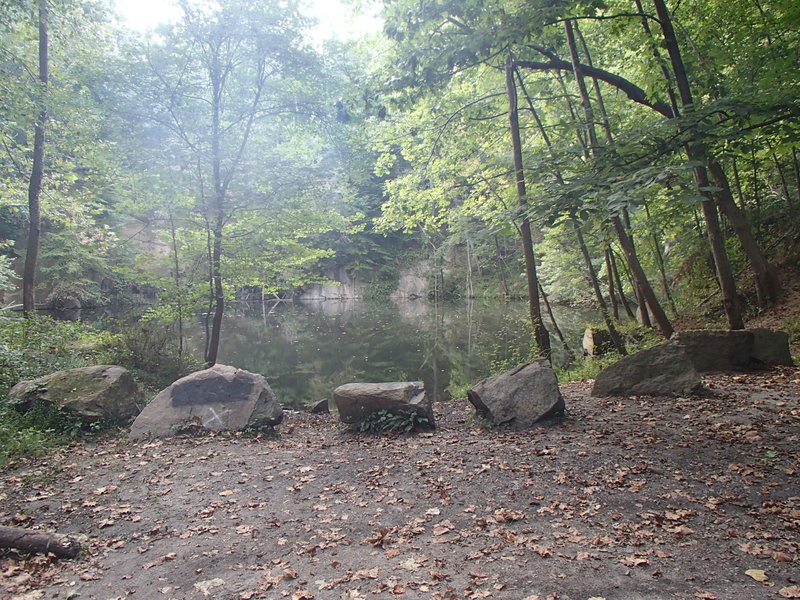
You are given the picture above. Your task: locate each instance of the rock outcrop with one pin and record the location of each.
(222, 398)
(596, 342)
(661, 370)
(102, 393)
(357, 401)
(520, 397)
(725, 350)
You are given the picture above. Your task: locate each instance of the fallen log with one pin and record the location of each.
(34, 542)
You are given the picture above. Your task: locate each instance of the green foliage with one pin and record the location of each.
(793, 329)
(30, 348)
(505, 354)
(586, 368)
(33, 347)
(385, 421)
(151, 352)
(382, 284)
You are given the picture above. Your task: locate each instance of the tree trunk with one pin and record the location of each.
(796, 168)
(697, 152)
(559, 334)
(38, 542)
(768, 285)
(218, 216)
(628, 247)
(37, 170)
(541, 336)
(662, 322)
(618, 283)
(612, 295)
(662, 267)
(178, 291)
(619, 346)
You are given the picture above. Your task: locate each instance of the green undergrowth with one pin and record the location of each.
(38, 346)
(385, 421)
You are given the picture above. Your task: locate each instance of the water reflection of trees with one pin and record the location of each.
(306, 350)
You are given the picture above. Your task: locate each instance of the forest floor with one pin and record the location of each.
(627, 498)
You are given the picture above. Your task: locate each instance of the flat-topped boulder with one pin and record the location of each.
(520, 397)
(661, 370)
(736, 350)
(357, 401)
(222, 398)
(102, 393)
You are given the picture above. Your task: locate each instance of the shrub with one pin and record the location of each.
(149, 351)
(30, 348)
(381, 421)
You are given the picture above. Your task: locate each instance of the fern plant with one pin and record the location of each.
(383, 420)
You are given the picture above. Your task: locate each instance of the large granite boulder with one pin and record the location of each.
(519, 397)
(725, 350)
(357, 401)
(102, 393)
(661, 370)
(221, 398)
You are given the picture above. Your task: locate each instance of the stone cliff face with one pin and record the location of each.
(412, 284)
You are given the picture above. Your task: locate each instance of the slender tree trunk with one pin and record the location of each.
(768, 285)
(616, 339)
(37, 170)
(218, 217)
(738, 182)
(612, 295)
(781, 177)
(630, 253)
(502, 264)
(756, 189)
(540, 333)
(697, 152)
(601, 105)
(662, 267)
(618, 282)
(177, 276)
(556, 328)
(662, 322)
(796, 166)
(586, 103)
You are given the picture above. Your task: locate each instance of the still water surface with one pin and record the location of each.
(307, 350)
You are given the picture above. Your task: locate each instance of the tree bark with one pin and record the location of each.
(570, 356)
(541, 336)
(218, 215)
(37, 170)
(38, 542)
(768, 285)
(695, 151)
(618, 283)
(662, 322)
(630, 252)
(616, 339)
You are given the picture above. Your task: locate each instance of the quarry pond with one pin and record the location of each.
(305, 350)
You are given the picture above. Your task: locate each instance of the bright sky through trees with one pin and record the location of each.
(334, 18)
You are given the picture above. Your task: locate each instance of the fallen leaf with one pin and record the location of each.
(634, 561)
(205, 587)
(793, 591)
(757, 574)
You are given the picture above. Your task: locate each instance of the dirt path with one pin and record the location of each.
(637, 498)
